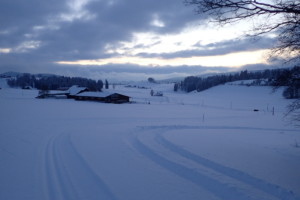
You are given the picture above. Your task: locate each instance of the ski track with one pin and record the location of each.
(241, 176)
(219, 189)
(177, 127)
(68, 176)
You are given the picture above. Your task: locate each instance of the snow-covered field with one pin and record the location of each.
(207, 146)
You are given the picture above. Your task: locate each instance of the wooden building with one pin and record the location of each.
(83, 94)
(102, 97)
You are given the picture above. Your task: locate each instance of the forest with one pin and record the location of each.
(53, 82)
(288, 77)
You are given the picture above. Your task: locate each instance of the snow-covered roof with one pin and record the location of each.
(94, 94)
(75, 89)
(55, 92)
(97, 94)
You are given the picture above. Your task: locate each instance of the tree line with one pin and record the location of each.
(275, 78)
(53, 82)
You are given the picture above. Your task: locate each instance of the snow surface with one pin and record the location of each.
(209, 145)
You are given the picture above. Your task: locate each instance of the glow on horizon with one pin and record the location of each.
(5, 50)
(229, 60)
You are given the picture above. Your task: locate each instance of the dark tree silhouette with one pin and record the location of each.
(106, 84)
(294, 111)
(99, 85)
(176, 87)
(151, 80)
(291, 80)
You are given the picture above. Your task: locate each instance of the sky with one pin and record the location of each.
(122, 40)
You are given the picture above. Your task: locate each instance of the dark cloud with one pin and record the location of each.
(85, 38)
(136, 15)
(18, 17)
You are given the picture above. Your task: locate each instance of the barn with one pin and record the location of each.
(102, 97)
(83, 94)
(117, 98)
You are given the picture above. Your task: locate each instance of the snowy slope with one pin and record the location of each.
(3, 83)
(209, 145)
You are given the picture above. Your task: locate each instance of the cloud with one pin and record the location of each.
(81, 28)
(218, 48)
(35, 34)
(18, 17)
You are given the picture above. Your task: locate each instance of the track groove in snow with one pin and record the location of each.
(219, 189)
(224, 190)
(271, 189)
(68, 176)
(182, 127)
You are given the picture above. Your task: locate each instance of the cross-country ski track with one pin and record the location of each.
(220, 189)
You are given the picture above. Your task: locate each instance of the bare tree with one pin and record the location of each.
(293, 111)
(279, 16)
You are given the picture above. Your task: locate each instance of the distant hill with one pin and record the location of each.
(17, 74)
(10, 74)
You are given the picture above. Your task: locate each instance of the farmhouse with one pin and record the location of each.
(102, 97)
(74, 90)
(83, 94)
